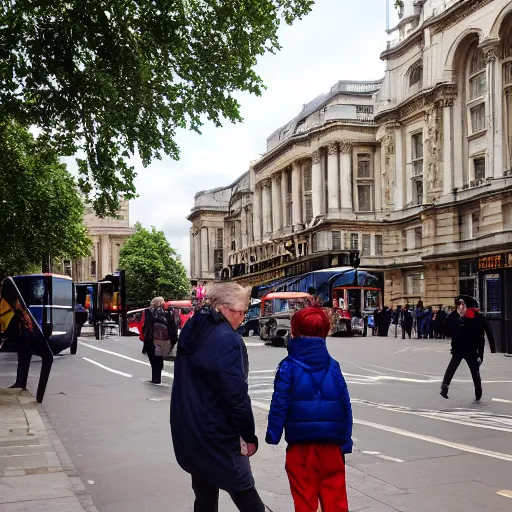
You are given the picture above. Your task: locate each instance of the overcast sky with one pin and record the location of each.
(339, 40)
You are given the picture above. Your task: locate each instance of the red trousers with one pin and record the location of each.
(317, 473)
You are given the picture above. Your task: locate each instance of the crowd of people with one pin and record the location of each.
(212, 423)
(413, 321)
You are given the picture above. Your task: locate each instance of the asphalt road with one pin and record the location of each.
(414, 451)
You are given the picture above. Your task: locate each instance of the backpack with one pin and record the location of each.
(161, 333)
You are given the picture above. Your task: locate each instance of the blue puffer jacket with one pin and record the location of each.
(310, 401)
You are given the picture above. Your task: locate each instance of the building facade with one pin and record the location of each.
(415, 171)
(108, 235)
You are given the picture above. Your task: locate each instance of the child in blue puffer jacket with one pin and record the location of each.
(311, 403)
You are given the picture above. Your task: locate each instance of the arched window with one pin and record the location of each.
(416, 75)
(476, 91)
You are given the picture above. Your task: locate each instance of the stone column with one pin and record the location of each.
(243, 227)
(447, 150)
(284, 198)
(277, 207)
(197, 254)
(333, 178)
(267, 210)
(316, 184)
(491, 56)
(256, 214)
(212, 235)
(400, 173)
(346, 175)
(192, 269)
(105, 255)
(204, 253)
(296, 196)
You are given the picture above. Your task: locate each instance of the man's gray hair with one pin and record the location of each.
(231, 295)
(157, 302)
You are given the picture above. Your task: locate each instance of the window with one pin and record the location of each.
(233, 229)
(475, 224)
(418, 191)
(416, 75)
(62, 292)
(307, 178)
(418, 236)
(477, 118)
(363, 166)
(364, 176)
(476, 90)
(220, 239)
(367, 244)
(479, 168)
(414, 284)
(378, 245)
(336, 240)
(404, 241)
(364, 198)
(354, 241)
(93, 268)
(417, 167)
(417, 153)
(309, 208)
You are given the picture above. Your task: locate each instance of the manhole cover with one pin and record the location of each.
(505, 494)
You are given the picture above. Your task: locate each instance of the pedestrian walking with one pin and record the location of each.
(407, 321)
(311, 404)
(158, 337)
(421, 320)
(212, 423)
(468, 343)
(396, 319)
(439, 323)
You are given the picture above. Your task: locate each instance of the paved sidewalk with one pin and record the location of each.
(36, 474)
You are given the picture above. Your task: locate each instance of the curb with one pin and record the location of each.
(67, 464)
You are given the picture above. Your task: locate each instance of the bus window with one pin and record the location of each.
(115, 302)
(32, 289)
(371, 299)
(62, 292)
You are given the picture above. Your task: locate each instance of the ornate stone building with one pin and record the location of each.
(108, 236)
(415, 170)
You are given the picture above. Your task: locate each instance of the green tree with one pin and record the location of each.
(112, 78)
(153, 268)
(41, 211)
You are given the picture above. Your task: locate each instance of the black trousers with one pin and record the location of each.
(207, 498)
(157, 362)
(406, 330)
(474, 368)
(24, 358)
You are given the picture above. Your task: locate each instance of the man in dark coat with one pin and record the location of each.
(212, 422)
(439, 323)
(468, 342)
(407, 321)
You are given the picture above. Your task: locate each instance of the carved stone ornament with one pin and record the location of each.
(315, 157)
(433, 148)
(345, 147)
(388, 145)
(491, 54)
(265, 183)
(332, 148)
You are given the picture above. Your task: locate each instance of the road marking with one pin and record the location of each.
(401, 371)
(145, 363)
(459, 416)
(254, 344)
(260, 391)
(421, 437)
(435, 440)
(391, 459)
(366, 452)
(262, 371)
(107, 368)
(505, 494)
(502, 400)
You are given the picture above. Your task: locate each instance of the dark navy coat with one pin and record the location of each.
(210, 405)
(310, 401)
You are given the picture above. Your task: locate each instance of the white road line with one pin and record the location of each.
(262, 371)
(258, 385)
(401, 371)
(502, 400)
(260, 391)
(145, 363)
(117, 372)
(253, 344)
(263, 377)
(414, 435)
(435, 440)
(391, 459)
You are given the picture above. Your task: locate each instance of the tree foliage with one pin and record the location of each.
(153, 268)
(41, 210)
(118, 77)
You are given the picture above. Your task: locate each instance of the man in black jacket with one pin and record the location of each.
(468, 342)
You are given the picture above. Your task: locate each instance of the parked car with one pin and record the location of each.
(251, 322)
(276, 312)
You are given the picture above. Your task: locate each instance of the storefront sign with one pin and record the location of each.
(495, 261)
